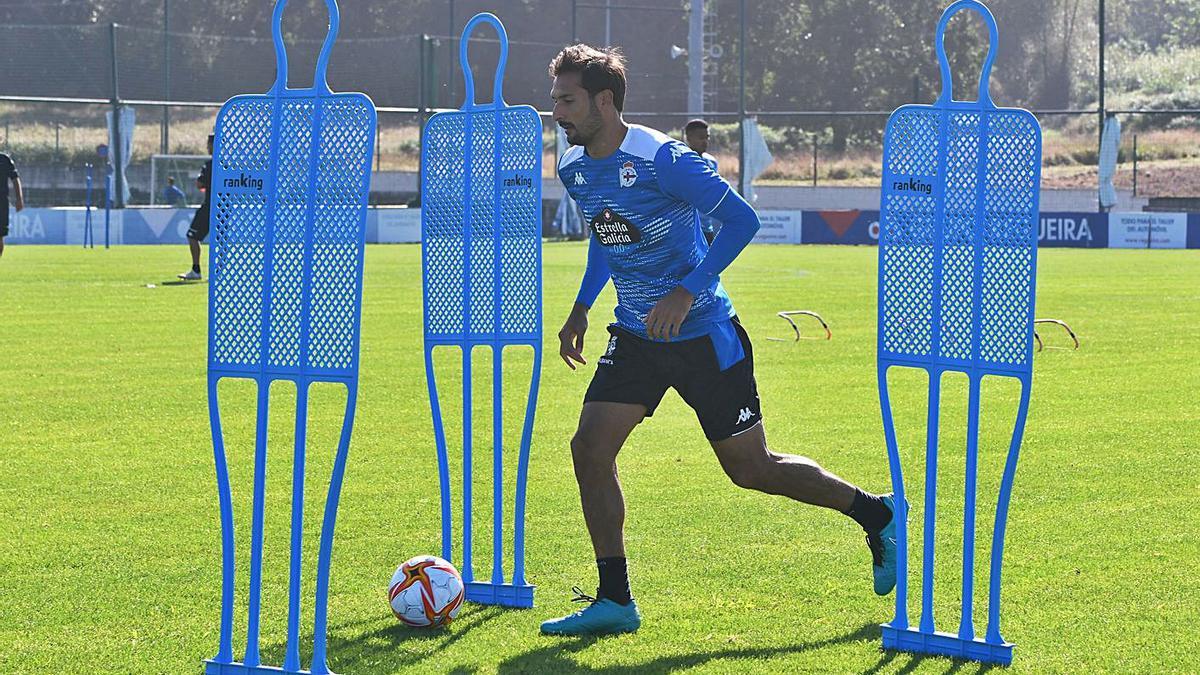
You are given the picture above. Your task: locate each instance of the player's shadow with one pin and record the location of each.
(392, 645)
(903, 663)
(388, 647)
(557, 656)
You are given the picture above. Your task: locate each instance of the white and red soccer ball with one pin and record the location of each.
(426, 591)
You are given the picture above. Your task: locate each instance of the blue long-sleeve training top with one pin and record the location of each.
(643, 204)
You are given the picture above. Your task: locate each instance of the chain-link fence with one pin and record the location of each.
(819, 79)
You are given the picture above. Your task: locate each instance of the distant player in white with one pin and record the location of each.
(642, 194)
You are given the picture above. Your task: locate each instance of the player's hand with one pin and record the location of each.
(19, 206)
(665, 320)
(570, 338)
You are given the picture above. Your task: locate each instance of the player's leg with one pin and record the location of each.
(751, 464)
(196, 234)
(626, 388)
(1, 246)
(603, 428)
(193, 274)
(726, 402)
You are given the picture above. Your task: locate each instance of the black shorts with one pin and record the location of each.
(636, 370)
(199, 229)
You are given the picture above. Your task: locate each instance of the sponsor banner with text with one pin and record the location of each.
(779, 227)
(393, 225)
(1085, 230)
(1147, 230)
(1071, 229)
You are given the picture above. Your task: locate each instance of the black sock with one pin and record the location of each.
(196, 268)
(614, 580)
(869, 511)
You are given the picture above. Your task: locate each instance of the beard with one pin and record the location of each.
(576, 137)
(586, 132)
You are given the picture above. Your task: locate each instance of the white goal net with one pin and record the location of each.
(183, 169)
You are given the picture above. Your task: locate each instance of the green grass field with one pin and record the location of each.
(108, 492)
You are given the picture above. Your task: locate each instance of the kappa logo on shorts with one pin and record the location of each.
(744, 415)
(613, 230)
(612, 347)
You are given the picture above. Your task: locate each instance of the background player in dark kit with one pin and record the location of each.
(199, 229)
(8, 172)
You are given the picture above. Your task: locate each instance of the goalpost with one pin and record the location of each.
(183, 168)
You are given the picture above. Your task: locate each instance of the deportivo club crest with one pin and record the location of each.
(628, 174)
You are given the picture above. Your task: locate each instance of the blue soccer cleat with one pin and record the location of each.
(883, 552)
(601, 617)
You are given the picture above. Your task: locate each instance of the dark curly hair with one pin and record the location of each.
(598, 69)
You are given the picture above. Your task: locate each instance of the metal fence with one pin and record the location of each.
(61, 80)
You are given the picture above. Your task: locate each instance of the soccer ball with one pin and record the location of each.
(426, 591)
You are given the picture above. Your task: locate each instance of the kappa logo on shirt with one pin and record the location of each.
(613, 230)
(579, 179)
(676, 152)
(628, 174)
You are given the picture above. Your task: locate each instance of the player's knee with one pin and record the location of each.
(750, 475)
(588, 454)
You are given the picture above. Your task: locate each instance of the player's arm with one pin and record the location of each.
(595, 278)
(18, 194)
(716, 167)
(689, 178)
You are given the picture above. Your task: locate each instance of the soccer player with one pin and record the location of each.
(199, 228)
(642, 194)
(695, 133)
(8, 172)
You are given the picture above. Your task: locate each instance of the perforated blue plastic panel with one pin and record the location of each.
(959, 200)
(299, 247)
(957, 262)
(291, 173)
(481, 235)
(481, 225)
